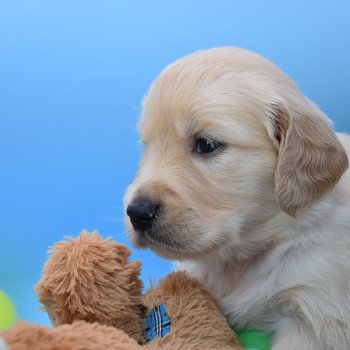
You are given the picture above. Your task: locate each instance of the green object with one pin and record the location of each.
(7, 312)
(253, 339)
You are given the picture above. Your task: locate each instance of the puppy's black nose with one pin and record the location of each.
(142, 212)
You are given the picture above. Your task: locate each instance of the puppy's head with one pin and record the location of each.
(229, 143)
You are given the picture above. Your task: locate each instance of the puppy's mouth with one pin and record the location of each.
(150, 237)
(153, 237)
(168, 244)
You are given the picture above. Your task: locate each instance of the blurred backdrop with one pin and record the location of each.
(72, 75)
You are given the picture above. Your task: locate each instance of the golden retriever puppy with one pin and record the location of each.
(244, 182)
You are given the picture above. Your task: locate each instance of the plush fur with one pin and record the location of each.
(264, 220)
(91, 279)
(197, 322)
(79, 335)
(93, 295)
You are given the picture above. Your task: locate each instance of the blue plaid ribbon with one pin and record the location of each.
(157, 323)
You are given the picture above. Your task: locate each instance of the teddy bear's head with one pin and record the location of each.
(90, 278)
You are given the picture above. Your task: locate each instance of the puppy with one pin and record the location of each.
(244, 182)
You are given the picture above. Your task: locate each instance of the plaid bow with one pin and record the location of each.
(157, 323)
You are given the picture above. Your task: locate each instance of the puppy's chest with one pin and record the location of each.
(248, 308)
(244, 294)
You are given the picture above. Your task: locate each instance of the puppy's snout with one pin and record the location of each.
(142, 213)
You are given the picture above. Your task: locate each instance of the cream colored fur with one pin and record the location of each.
(264, 222)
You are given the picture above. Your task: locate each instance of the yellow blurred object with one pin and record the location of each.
(7, 312)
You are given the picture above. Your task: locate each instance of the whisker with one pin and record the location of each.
(134, 107)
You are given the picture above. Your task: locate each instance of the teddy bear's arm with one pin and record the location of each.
(77, 336)
(196, 323)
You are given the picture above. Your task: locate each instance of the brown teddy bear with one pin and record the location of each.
(92, 294)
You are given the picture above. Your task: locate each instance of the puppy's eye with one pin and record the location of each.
(206, 145)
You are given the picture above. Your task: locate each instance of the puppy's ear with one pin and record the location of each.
(311, 158)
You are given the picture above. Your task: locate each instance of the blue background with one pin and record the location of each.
(72, 75)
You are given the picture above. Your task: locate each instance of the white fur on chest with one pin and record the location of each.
(306, 272)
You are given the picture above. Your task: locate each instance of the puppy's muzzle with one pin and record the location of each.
(142, 213)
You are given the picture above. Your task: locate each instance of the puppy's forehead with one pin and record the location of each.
(207, 89)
